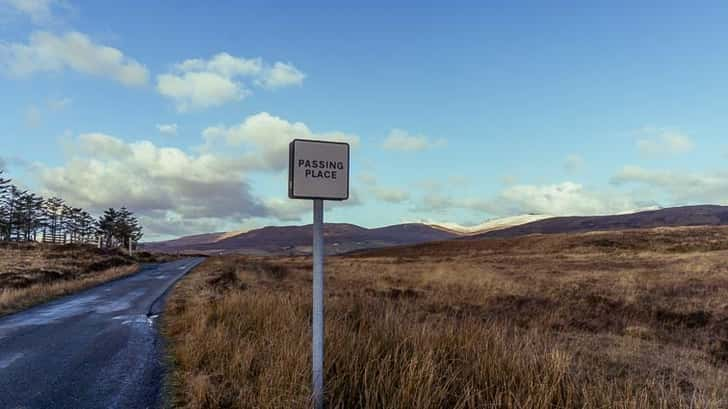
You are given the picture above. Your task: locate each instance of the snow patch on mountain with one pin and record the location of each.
(490, 225)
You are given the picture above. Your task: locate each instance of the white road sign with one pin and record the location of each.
(318, 170)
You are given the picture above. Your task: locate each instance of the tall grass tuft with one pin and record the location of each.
(246, 344)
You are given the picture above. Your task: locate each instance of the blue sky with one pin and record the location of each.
(458, 111)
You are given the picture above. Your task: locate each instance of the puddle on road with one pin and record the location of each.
(120, 304)
(138, 319)
(96, 302)
(56, 312)
(50, 313)
(7, 360)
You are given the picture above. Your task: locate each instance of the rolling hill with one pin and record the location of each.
(339, 238)
(703, 215)
(344, 238)
(490, 225)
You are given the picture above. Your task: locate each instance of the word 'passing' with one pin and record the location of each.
(320, 168)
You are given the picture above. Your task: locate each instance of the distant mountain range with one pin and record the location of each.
(343, 238)
(339, 238)
(490, 225)
(704, 215)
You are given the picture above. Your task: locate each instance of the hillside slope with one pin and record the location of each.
(703, 215)
(614, 319)
(343, 238)
(339, 238)
(490, 225)
(186, 241)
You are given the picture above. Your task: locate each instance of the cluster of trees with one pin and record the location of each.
(25, 216)
(119, 227)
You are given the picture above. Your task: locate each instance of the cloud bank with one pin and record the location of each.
(198, 83)
(269, 136)
(47, 52)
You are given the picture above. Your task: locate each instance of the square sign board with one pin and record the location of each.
(318, 170)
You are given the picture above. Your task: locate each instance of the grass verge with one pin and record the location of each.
(33, 273)
(17, 299)
(573, 321)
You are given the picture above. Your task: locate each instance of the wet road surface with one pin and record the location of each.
(95, 349)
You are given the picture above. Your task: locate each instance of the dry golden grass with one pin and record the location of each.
(16, 299)
(635, 319)
(32, 273)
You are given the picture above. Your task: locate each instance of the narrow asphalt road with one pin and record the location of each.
(95, 349)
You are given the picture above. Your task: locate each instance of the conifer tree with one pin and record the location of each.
(24, 215)
(4, 211)
(54, 214)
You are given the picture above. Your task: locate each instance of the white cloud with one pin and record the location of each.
(167, 129)
(156, 182)
(269, 136)
(288, 210)
(657, 142)
(682, 187)
(49, 52)
(281, 75)
(400, 140)
(172, 190)
(561, 199)
(39, 11)
(198, 83)
(99, 145)
(564, 199)
(195, 90)
(168, 225)
(355, 199)
(573, 163)
(59, 104)
(224, 65)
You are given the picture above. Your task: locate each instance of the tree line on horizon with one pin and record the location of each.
(26, 216)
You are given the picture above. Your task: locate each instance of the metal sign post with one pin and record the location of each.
(318, 170)
(318, 303)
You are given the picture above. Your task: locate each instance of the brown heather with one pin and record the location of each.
(633, 319)
(32, 273)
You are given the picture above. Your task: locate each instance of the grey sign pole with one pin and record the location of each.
(318, 171)
(318, 303)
